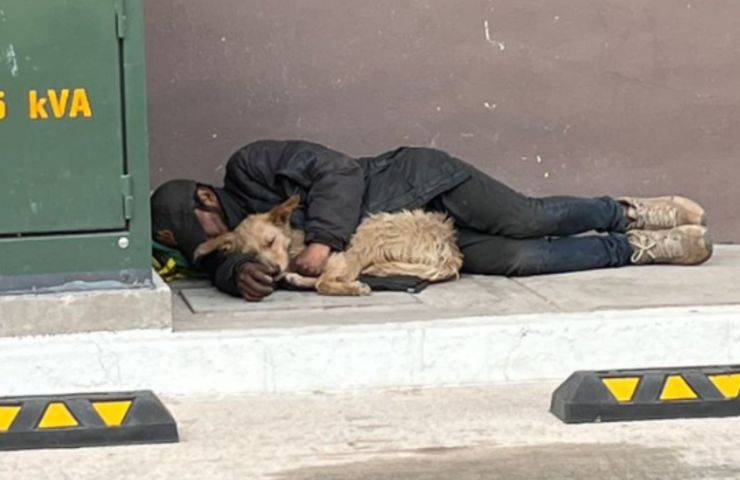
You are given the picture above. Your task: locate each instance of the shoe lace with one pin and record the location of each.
(644, 248)
(662, 216)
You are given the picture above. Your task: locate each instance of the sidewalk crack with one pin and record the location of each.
(537, 294)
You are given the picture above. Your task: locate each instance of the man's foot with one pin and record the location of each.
(684, 245)
(660, 213)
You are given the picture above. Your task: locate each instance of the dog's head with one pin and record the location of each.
(264, 236)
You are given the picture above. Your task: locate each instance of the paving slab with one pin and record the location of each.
(203, 300)
(485, 294)
(184, 319)
(715, 283)
(207, 309)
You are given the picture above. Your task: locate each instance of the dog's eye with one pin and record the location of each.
(271, 243)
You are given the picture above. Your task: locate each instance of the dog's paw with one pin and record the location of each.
(363, 289)
(300, 281)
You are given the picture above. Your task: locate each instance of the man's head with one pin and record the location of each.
(186, 214)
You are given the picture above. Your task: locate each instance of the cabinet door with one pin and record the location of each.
(62, 170)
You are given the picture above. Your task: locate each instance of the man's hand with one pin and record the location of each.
(255, 281)
(312, 260)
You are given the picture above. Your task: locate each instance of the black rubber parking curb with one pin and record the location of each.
(648, 394)
(84, 420)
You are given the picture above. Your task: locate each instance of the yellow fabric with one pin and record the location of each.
(168, 271)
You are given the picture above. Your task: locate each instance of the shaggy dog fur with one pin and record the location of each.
(415, 243)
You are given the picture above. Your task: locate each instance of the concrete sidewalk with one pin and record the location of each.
(502, 433)
(200, 307)
(479, 330)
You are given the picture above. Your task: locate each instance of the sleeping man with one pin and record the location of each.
(500, 231)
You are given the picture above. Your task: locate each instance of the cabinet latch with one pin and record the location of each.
(121, 18)
(127, 190)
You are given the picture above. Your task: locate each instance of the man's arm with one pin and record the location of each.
(334, 184)
(238, 275)
(334, 200)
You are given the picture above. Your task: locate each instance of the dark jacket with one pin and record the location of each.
(336, 190)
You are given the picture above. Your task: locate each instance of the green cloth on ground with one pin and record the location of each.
(172, 265)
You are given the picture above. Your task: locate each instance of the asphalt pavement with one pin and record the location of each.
(498, 432)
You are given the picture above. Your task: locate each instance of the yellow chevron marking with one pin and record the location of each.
(676, 388)
(112, 413)
(623, 389)
(728, 384)
(57, 415)
(7, 416)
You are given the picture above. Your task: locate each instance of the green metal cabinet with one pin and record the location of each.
(73, 145)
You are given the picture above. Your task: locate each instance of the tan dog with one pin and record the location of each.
(415, 243)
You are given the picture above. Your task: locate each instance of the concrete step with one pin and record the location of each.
(464, 351)
(479, 330)
(87, 307)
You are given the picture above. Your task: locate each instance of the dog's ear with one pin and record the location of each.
(280, 215)
(224, 243)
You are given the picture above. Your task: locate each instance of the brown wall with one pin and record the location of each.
(615, 96)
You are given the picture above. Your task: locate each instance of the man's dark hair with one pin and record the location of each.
(173, 216)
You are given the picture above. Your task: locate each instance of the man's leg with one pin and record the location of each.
(487, 205)
(495, 255)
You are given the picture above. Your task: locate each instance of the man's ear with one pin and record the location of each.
(207, 196)
(166, 237)
(280, 215)
(224, 243)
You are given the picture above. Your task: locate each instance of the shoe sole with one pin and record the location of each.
(709, 242)
(706, 239)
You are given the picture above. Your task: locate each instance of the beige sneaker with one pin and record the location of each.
(684, 245)
(660, 213)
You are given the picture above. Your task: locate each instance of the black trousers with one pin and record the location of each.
(502, 232)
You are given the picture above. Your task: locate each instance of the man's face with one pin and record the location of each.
(213, 222)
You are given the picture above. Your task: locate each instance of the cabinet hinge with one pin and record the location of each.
(121, 18)
(127, 190)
